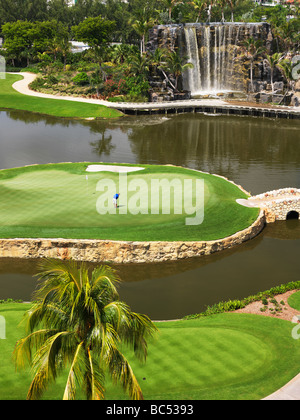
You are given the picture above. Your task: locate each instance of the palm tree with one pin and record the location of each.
(170, 4)
(142, 27)
(138, 65)
(252, 49)
(222, 5)
(232, 4)
(158, 62)
(273, 61)
(176, 65)
(286, 66)
(199, 5)
(79, 323)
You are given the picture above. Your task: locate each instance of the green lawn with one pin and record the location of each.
(294, 301)
(11, 99)
(57, 200)
(225, 356)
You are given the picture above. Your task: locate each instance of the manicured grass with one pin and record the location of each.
(294, 300)
(57, 200)
(11, 99)
(225, 356)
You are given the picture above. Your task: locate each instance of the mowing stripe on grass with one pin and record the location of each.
(58, 200)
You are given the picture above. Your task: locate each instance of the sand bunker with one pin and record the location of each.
(112, 168)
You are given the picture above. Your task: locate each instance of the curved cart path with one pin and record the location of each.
(22, 86)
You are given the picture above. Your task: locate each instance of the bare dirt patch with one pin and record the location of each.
(280, 310)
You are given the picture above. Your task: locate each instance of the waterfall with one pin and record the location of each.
(193, 74)
(207, 57)
(215, 66)
(213, 49)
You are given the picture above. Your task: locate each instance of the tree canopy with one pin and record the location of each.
(78, 323)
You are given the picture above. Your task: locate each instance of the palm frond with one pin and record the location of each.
(79, 322)
(94, 379)
(74, 374)
(122, 373)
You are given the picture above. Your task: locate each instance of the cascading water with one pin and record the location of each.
(214, 49)
(193, 74)
(214, 61)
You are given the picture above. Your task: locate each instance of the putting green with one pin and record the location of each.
(225, 356)
(156, 203)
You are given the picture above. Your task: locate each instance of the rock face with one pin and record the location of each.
(123, 251)
(214, 49)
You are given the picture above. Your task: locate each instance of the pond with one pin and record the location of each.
(258, 154)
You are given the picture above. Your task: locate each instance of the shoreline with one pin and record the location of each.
(213, 106)
(128, 251)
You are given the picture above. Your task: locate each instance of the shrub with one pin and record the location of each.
(137, 86)
(237, 304)
(37, 83)
(81, 79)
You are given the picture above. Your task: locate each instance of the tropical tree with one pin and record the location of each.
(79, 323)
(138, 65)
(252, 50)
(199, 6)
(232, 4)
(176, 65)
(60, 43)
(158, 62)
(274, 61)
(222, 5)
(141, 27)
(286, 67)
(97, 32)
(170, 4)
(18, 40)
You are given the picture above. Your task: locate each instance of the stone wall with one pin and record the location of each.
(123, 251)
(278, 203)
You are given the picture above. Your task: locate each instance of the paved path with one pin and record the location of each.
(291, 391)
(262, 202)
(22, 87)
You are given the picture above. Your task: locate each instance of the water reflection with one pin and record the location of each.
(259, 154)
(171, 290)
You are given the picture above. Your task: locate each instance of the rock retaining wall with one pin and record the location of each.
(123, 251)
(278, 203)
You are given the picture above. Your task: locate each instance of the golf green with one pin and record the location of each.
(163, 203)
(224, 356)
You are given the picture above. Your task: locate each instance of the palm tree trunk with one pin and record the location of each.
(167, 79)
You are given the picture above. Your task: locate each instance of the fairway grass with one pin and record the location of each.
(62, 201)
(294, 301)
(225, 356)
(11, 99)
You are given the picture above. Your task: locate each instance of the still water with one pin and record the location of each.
(259, 154)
